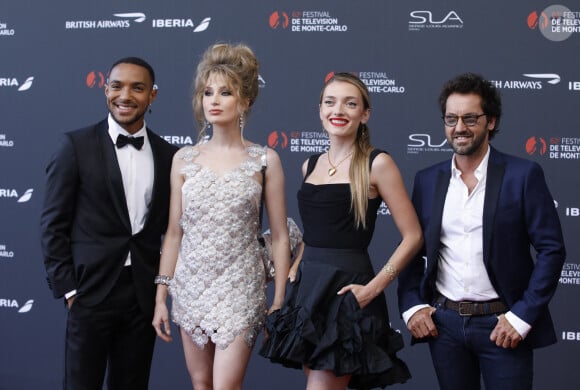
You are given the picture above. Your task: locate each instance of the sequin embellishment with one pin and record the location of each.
(218, 289)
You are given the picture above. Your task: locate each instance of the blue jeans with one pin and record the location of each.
(463, 353)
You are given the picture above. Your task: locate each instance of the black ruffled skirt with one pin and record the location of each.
(324, 331)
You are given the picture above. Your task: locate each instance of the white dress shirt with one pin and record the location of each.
(137, 172)
(461, 274)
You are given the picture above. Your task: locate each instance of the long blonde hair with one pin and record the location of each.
(239, 67)
(359, 167)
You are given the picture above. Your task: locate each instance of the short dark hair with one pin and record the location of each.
(135, 61)
(467, 83)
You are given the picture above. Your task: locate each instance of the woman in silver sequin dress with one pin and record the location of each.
(210, 261)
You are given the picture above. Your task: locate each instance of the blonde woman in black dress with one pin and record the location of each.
(334, 323)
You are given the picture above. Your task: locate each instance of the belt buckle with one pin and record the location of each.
(462, 311)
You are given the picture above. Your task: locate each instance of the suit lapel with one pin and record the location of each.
(495, 174)
(113, 173)
(433, 233)
(153, 142)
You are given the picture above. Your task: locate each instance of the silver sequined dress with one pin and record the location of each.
(218, 288)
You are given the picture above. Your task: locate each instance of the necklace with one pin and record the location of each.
(333, 168)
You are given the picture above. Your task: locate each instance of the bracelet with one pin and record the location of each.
(391, 271)
(162, 279)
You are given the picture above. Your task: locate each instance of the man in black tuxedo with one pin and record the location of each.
(105, 209)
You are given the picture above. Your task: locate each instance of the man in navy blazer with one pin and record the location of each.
(475, 292)
(105, 210)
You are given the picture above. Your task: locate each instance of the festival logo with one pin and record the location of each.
(5, 252)
(536, 20)
(95, 79)
(558, 148)
(278, 140)
(299, 141)
(5, 142)
(383, 209)
(376, 82)
(570, 274)
(279, 20)
(306, 21)
(5, 30)
(556, 22)
(536, 145)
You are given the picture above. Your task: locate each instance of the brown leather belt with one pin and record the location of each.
(471, 308)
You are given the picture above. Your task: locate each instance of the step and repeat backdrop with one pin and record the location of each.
(54, 60)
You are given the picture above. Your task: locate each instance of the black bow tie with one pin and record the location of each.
(123, 140)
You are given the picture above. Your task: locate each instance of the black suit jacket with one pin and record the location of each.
(518, 214)
(86, 232)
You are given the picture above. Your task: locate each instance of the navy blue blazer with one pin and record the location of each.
(85, 227)
(519, 214)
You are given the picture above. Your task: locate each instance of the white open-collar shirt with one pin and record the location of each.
(461, 272)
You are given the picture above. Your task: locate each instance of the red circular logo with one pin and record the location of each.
(278, 19)
(536, 145)
(535, 20)
(278, 139)
(328, 76)
(95, 79)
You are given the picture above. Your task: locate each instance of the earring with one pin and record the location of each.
(203, 135)
(150, 111)
(242, 122)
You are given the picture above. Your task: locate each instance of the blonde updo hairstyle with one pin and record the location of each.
(359, 166)
(238, 66)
